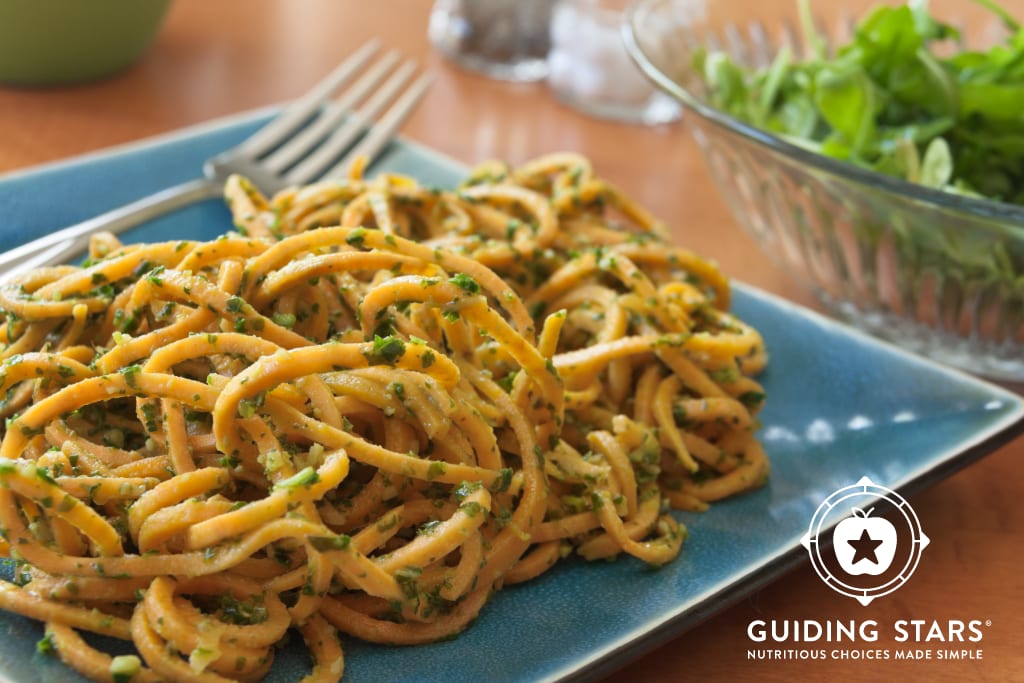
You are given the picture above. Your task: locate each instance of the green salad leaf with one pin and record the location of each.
(902, 97)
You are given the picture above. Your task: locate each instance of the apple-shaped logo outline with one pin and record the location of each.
(864, 486)
(864, 544)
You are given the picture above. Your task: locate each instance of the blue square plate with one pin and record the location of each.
(840, 406)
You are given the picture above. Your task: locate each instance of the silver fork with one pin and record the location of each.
(301, 145)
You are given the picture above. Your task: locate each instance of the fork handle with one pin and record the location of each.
(64, 244)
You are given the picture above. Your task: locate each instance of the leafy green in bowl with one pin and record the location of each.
(904, 96)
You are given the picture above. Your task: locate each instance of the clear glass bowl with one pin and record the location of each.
(938, 273)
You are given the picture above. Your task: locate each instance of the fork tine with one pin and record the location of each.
(791, 37)
(760, 43)
(314, 165)
(712, 41)
(737, 46)
(385, 130)
(274, 132)
(297, 147)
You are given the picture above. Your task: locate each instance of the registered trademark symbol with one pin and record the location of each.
(988, 622)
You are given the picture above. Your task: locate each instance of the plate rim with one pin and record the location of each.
(766, 569)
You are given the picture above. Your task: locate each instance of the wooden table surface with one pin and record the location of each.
(218, 58)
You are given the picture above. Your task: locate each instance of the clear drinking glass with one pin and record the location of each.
(589, 68)
(504, 39)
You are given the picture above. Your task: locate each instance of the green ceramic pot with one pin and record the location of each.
(47, 42)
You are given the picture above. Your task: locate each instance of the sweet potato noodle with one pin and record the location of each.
(364, 411)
